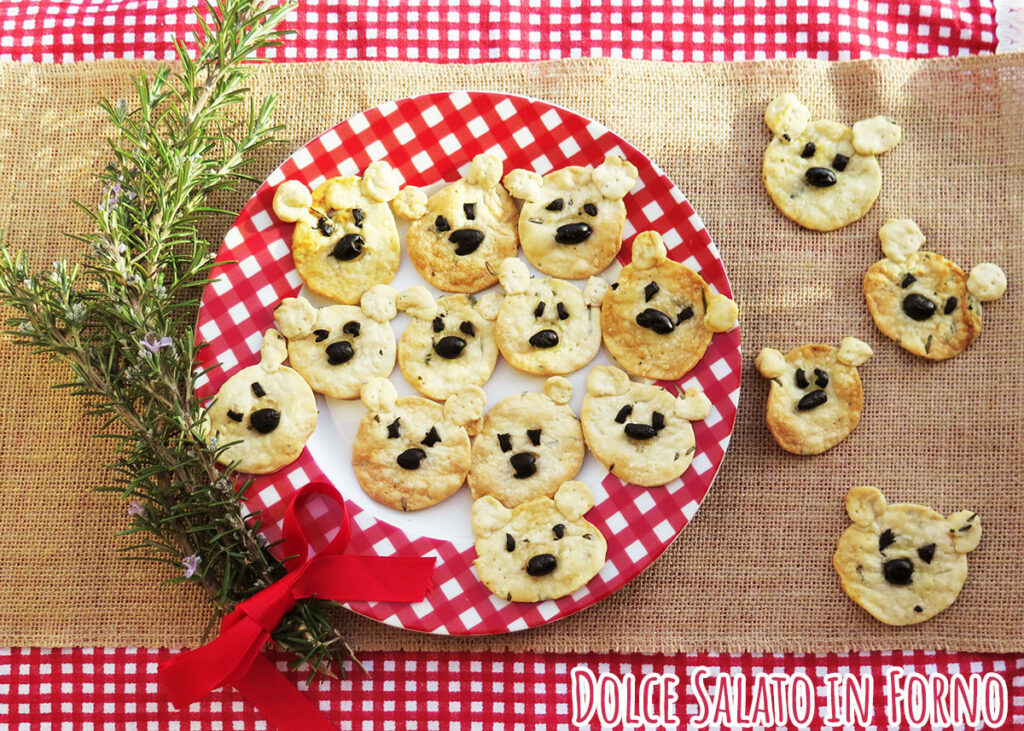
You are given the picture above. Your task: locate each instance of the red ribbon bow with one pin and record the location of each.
(234, 657)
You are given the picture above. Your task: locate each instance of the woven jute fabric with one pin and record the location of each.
(753, 570)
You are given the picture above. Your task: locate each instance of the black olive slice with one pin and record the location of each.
(265, 420)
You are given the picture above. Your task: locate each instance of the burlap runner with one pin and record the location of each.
(752, 572)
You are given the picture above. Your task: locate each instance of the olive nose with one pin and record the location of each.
(573, 233)
(524, 463)
(541, 565)
(466, 240)
(410, 459)
(348, 247)
(449, 347)
(899, 571)
(339, 352)
(544, 339)
(655, 320)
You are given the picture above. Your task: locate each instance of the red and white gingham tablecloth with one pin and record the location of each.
(98, 688)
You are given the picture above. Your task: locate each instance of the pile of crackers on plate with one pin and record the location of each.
(903, 563)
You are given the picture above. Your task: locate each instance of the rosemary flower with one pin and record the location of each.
(135, 508)
(154, 344)
(191, 564)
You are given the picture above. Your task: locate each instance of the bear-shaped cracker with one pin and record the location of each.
(267, 409)
(339, 348)
(823, 174)
(659, 318)
(345, 238)
(816, 396)
(530, 444)
(639, 431)
(547, 326)
(542, 549)
(411, 452)
(922, 300)
(449, 343)
(571, 222)
(460, 234)
(903, 563)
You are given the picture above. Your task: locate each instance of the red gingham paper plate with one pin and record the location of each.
(428, 140)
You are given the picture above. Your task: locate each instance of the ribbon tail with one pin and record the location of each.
(281, 702)
(191, 675)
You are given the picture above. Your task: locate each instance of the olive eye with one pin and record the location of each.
(438, 324)
(839, 162)
(801, 378)
(820, 378)
(431, 438)
(590, 209)
(809, 149)
(534, 435)
(510, 543)
(927, 553)
(556, 205)
(257, 389)
(393, 428)
(624, 412)
(563, 314)
(358, 215)
(538, 310)
(467, 328)
(351, 328)
(886, 539)
(558, 530)
(505, 442)
(441, 224)
(650, 290)
(470, 210)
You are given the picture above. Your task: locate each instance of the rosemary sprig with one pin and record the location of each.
(122, 319)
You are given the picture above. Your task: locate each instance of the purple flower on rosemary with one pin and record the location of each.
(191, 564)
(154, 344)
(135, 509)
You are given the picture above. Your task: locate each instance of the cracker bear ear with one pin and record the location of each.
(693, 405)
(488, 305)
(595, 291)
(787, 115)
(273, 351)
(410, 204)
(770, 363)
(558, 389)
(484, 171)
(488, 516)
(573, 499)
(987, 282)
(876, 135)
(721, 314)
(648, 250)
(292, 201)
(513, 276)
(378, 303)
(615, 177)
(965, 530)
(466, 406)
(853, 352)
(524, 184)
(606, 380)
(295, 316)
(900, 238)
(379, 182)
(864, 505)
(418, 302)
(378, 395)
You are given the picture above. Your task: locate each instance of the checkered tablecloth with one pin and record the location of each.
(95, 688)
